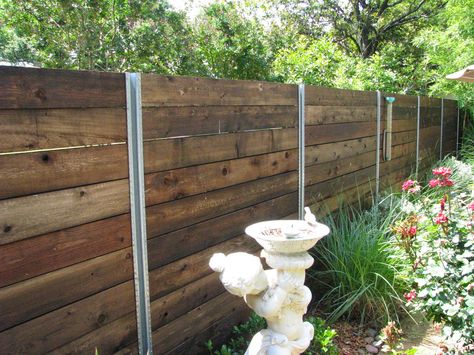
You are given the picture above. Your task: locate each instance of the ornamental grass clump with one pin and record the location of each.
(363, 273)
(441, 251)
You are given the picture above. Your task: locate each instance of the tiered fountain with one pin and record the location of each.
(279, 294)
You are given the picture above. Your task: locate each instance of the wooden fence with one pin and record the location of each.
(218, 156)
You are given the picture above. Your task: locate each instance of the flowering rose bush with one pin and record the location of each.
(437, 232)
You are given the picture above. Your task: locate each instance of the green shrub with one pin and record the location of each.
(242, 335)
(442, 251)
(363, 272)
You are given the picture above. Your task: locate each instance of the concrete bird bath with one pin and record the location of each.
(278, 294)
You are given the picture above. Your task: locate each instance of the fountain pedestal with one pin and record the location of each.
(278, 294)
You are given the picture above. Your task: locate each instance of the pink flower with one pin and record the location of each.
(446, 182)
(408, 184)
(441, 218)
(410, 296)
(433, 182)
(471, 206)
(443, 171)
(412, 231)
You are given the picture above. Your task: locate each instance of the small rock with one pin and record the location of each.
(378, 343)
(361, 352)
(372, 349)
(371, 332)
(368, 340)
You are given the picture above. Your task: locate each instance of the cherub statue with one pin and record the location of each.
(278, 295)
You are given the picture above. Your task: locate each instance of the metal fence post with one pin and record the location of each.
(457, 135)
(441, 133)
(417, 136)
(301, 151)
(377, 157)
(137, 211)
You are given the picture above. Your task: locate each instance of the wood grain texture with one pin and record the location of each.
(169, 216)
(32, 173)
(188, 91)
(179, 183)
(322, 153)
(332, 169)
(31, 257)
(197, 237)
(31, 298)
(338, 114)
(193, 284)
(24, 130)
(320, 96)
(25, 88)
(57, 210)
(161, 122)
(64, 325)
(180, 152)
(338, 132)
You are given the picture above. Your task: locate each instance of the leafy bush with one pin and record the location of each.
(242, 335)
(442, 250)
(363, 271)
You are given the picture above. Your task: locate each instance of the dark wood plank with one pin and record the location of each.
(60, 327)
(333, 187)
(160, 122)
(25, 217)
(333, 169)
(24, 130)
(218, 333)
(194, 283)
(188, 91)
(320, 96)
(173, 334)
(197, 237)
(31, 257)
(31, 298)
(338, 114)
(338, 132)
(179, 183)
(322, 153)
(50, 88)
(169, 216)
(403, 137)
(31, 173)
(180, 152)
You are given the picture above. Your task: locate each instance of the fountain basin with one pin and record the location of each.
(287, 236)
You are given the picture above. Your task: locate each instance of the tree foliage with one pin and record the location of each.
(401, 46)
(104, 35)
(360, 27)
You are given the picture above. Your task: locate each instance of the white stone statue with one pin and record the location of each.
(279, 294)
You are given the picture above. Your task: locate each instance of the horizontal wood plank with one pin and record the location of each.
(338, 114)
(188, 91)
(24, 130)
(31, 257)
(169, 216)
(321, 96)
(161, 122)
(338, 132)
(32, 173)
(24, 88)
(31, 298)
(180, 152)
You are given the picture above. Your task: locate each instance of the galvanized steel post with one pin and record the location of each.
(377, 156)
(301, 151)
(441, 131)
(457, 134)
(137, 211)
(417, 136)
